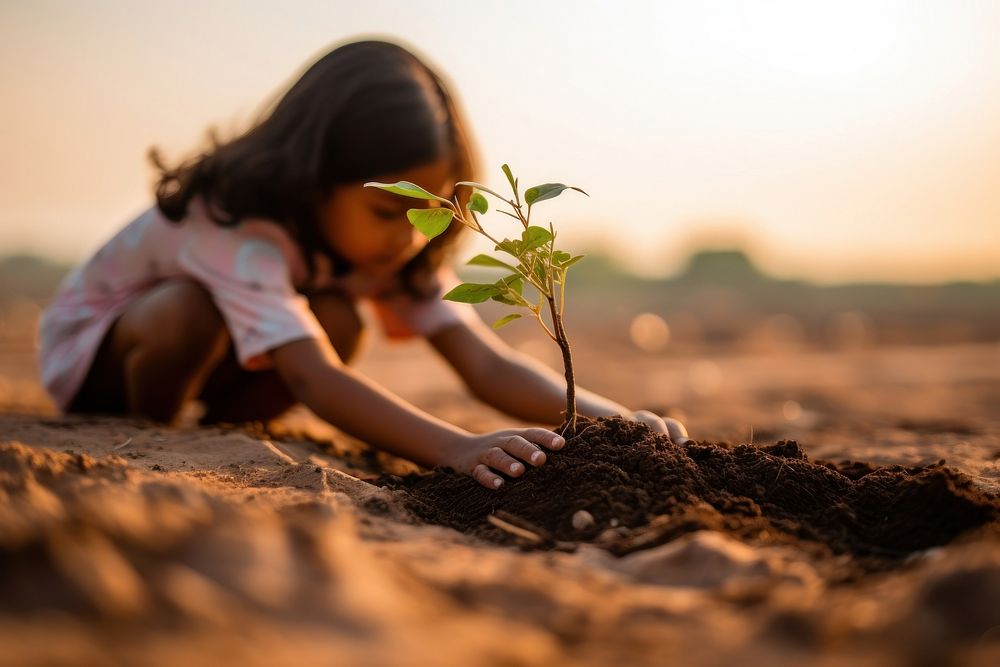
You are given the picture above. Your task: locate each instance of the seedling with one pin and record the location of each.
(536, 261)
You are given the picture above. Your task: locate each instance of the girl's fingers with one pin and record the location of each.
(524, 450)
(543, 437)
(651, 420)
(498, 459)
(676, 431)
(488, 479)
(503, 458)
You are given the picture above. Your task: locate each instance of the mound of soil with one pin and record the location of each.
(642, 490)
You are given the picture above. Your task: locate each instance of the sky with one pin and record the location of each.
(834, 141)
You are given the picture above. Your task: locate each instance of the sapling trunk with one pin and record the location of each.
(567, 355)
(537, 261)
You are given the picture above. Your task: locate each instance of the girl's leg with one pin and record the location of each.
(157, 354)
(172, 345)
(234, 395)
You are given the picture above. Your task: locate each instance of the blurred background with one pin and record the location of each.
(833, 142)
(767, 178)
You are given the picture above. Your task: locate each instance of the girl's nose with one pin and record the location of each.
(417, 239)
(407, 239)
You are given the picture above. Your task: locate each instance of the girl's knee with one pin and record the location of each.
(177, 336)
(180, 320)
(339, 318)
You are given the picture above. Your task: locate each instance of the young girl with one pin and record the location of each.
(240, 286)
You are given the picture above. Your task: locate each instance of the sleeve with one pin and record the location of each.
(403, 316)
(249, 279)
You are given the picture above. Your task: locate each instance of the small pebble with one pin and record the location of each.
(583, 520)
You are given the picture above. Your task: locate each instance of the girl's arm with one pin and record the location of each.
(353, 403)
(522, 386)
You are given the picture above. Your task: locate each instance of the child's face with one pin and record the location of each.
(368, 227)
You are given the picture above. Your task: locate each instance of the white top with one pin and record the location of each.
(253, 272)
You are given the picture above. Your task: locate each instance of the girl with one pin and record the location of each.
(239, 287)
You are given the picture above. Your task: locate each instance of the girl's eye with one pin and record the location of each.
(389, 215)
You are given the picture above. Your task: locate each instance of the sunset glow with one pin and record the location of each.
(856, 140)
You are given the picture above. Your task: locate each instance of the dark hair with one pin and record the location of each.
(363, 110)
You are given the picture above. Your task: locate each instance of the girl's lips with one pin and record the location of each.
(388, 261)
(399, 258)
(384, 265)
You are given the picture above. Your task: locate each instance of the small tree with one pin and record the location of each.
(536, 261)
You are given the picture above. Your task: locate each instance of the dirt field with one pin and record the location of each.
(123, 542)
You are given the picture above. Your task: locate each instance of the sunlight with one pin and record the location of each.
(825, 132)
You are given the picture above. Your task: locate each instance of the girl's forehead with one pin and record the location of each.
(432, 175)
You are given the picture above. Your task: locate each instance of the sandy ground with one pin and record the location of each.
(124, 542)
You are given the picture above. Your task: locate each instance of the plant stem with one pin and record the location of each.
(558, 333)
(545, 327)
(567, 365)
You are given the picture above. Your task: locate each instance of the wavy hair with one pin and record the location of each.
(363, 110)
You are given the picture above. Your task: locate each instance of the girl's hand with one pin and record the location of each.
(508, 452)
(666, 425)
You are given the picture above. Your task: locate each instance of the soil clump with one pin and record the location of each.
(643, 490)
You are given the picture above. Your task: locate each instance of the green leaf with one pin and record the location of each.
(511, 247)
(472, 293)
(505, 320)
(513, 282)
(430, 221)
(564, 260)
(406, 189)
(510, 178)
(478, 203)
(546, 191)
(510, 290)
(538, 266)
(486, 260)
(534, 237)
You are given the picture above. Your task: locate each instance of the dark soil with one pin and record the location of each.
(643, 490)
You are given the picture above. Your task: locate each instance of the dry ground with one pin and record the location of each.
(124, 542)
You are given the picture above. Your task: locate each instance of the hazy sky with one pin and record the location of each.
(836, 140)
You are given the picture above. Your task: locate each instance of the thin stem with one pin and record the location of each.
(567, 365)
(562, 283)
(461, 218)
(465, 222)
(524, 220)
(562, 295)
(456, 209)
(481, 230)
(548, 331)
